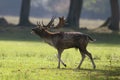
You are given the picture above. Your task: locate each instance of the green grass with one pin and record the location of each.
(25, 57)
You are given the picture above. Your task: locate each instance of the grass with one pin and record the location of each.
(27, 60)
(25, 57)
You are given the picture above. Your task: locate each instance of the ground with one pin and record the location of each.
(24, 56)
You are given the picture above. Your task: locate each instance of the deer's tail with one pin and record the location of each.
(91, 39)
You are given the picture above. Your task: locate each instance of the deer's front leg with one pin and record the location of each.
(59, 57)
(62, 62)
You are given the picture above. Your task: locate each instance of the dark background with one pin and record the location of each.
(92, 9)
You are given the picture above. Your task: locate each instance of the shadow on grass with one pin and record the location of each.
(114, 71)
(109, 74)
(107, 38)
(17, 33)
(89, 74)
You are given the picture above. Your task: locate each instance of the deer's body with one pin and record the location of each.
(65, 40)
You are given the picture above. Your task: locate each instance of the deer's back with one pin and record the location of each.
(70, 39)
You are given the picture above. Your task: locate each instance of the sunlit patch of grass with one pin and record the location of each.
(28, 60)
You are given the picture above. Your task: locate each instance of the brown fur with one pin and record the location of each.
(65, 40)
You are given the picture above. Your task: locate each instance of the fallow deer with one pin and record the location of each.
(65, 40)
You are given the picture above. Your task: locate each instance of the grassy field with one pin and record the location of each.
(24, 56)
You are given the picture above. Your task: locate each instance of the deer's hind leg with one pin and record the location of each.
(84, 52)
(83, 57)
(90, 56)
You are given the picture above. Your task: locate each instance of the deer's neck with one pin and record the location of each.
(48, 37)
(47, 34)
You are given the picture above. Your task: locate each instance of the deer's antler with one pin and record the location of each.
(43, 24)
(51, 22)
(61, 22)
(39, 25)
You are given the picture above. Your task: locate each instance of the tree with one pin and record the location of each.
(24, 14)
(74, 13)
(107, 22)
(114, 25)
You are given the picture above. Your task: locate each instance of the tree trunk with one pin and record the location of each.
(114, 15)
(74, 13)
(24, 14)
(107, 22)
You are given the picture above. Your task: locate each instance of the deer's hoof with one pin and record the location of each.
(78, 68)
(65, 65)
(58, 67)
(94, 67)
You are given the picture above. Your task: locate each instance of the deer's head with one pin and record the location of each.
(40, 27)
